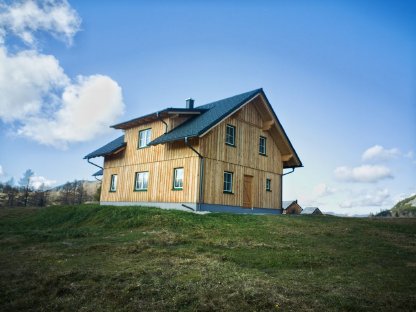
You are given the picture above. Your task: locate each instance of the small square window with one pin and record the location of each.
(230, 135)
(228, 182)
(268, 185)
(144, 137)
(262, 145)
(141, 181)
(113, 183)
(178, 179)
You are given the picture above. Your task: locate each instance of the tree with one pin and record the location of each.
(11, 191)
(81, 194)
(65, 197)
(40, 196)
(97, 194)
(24, 182)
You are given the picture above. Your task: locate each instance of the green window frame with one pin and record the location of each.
(141, 181)
(228, 182)
(268, 185)
(262, 145)
(113, 183)
(178, 174)
(230, 135)
(144, 138)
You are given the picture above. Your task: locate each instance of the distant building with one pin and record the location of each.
(311, 211)
(291, 207)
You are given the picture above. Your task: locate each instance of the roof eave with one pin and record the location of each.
(115, 151)
(299, 162)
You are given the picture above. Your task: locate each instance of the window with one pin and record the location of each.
(262, 145)
(178, 179)
(268, 185)
(230, 135)
(144, 137)
(141, 181)
(113, 183)
(228, 182)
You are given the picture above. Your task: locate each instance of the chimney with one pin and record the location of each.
(190, 103)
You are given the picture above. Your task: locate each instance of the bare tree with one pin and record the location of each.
(65, 197)
(81, 193)
(12, 191)
(40, 196)
(24, 182)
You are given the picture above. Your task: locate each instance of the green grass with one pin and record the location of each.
(92, 258)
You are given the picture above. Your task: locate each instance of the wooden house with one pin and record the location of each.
(227, 155)
(291, 207)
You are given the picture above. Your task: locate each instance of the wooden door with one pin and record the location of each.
(248, 192)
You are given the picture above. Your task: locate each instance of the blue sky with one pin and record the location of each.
(341, 76)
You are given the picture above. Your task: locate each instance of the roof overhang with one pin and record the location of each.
(166, 113)
(114, 147)
(272, 124)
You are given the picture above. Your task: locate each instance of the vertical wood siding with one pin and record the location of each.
(160, 161)
(243, 159)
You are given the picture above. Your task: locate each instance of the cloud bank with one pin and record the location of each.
(322, 190)
(24, 18)
(38, 99)
(379, 153)
(376, 198)
(39, 182)
(364, 173)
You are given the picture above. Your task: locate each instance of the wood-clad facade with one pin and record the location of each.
(160, 161)
(235, 163)
(243, 159)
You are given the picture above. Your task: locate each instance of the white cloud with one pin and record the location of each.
(1, 171)
(378, 152)
(87, 108)
(364, 173)
(24, 18)
(375, 198)
(26, 80)
(38, 182)
(38, 99)
(322, 190)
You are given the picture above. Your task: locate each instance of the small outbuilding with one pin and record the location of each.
(291, 207)
(311, 211)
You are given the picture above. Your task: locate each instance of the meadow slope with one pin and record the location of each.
(92, 258)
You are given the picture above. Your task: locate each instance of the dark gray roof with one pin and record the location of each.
(309, 210)
(98, 173)
(287, 203)
(208, 116)
(108, 148)
(154, 116)
(214, 113)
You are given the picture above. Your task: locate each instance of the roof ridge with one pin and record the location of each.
(230, 97)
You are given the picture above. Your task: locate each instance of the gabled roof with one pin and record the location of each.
(310, 210)
(98, 173)
(287, 203)
(214, 112)
(109, 148)
(157, 115)
(205, 117)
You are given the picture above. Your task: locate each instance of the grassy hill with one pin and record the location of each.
(404, 208)
(94, 258)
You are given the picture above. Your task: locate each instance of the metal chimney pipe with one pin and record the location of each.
(190, 103)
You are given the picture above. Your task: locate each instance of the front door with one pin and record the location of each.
(248, 192)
